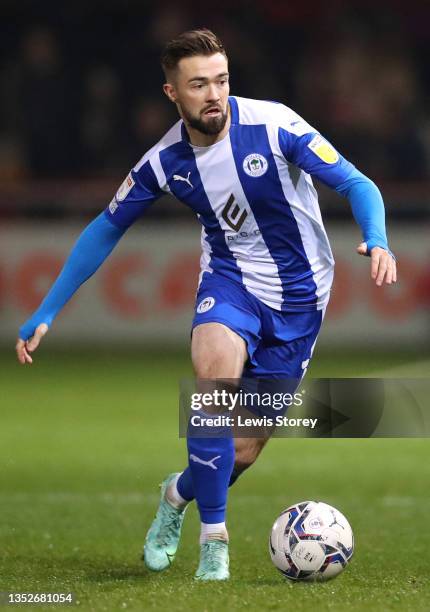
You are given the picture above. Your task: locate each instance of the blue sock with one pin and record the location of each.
(211, 462)
(185, 483)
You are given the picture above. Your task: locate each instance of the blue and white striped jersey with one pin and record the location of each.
(253, 194)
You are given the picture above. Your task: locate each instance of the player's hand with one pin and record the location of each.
(25, 347)
(383, 264)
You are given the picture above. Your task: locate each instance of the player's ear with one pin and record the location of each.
(170, 92)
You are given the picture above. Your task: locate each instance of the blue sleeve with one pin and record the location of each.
(367, 207)
(134, 196)
(316, 156)
(91, 249)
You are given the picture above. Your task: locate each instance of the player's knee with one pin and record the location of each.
(210, 362)
(217, 352)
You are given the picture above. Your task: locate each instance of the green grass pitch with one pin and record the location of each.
(86, 438)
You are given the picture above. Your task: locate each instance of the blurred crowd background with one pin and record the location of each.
(81, 95)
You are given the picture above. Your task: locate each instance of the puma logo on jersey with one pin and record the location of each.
(209, 463)
(178, 177)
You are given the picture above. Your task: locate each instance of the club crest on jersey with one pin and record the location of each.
(255, 164)
(205, 305)
(125, 188)
(323, 149)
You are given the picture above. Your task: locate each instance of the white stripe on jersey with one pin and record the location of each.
(256, 112)
(259, 271)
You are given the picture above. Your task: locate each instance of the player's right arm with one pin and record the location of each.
(91, 249)
(93, 246)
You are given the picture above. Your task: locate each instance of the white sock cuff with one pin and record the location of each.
(215, 531)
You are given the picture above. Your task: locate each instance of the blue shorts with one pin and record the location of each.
(279, 344)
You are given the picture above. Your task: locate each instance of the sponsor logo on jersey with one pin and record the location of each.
(113, 206)
(323, 149)
(255, 165)
(205, 305)
(125, 188)
(233, 215)
(242, 235)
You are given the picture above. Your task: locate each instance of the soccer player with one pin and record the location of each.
(244, 167)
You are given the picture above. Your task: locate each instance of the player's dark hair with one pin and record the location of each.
(189, 44)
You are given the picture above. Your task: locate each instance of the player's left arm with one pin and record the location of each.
(312, 153)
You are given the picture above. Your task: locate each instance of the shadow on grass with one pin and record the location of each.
(129, 572)
(120, 574)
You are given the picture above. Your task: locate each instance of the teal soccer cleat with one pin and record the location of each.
(214, 561)
(163, 536)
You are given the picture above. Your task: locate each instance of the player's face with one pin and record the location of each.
(200, 90)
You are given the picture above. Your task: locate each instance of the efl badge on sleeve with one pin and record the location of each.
(323, 149)
(125, 188)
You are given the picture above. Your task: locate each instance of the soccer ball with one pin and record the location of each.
(311, 541)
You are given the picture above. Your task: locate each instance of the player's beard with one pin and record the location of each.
(211, 126)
